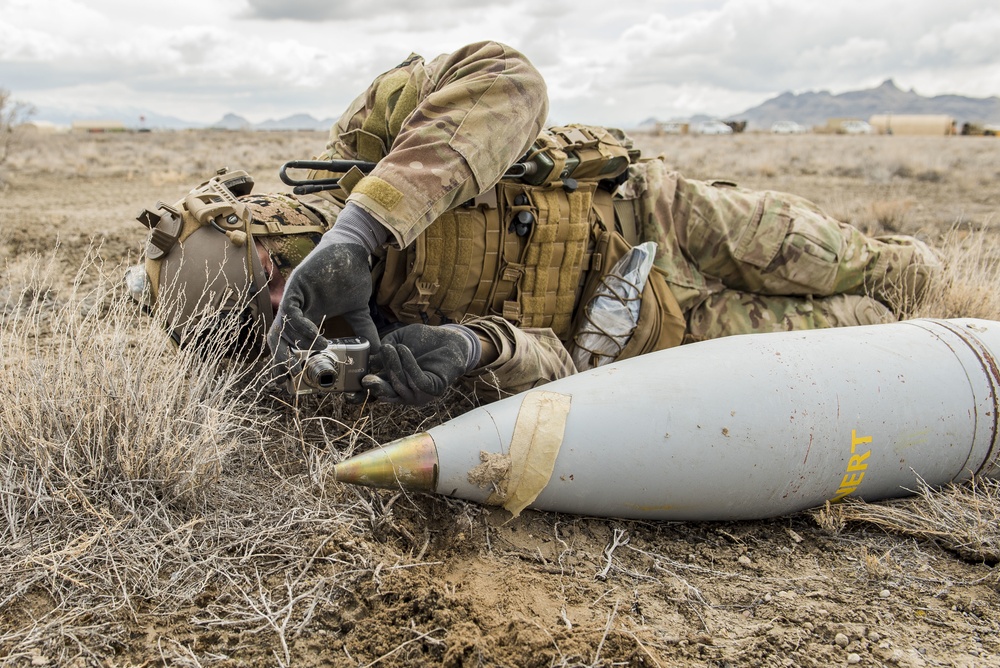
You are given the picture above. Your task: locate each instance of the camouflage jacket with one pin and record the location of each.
(432, 128)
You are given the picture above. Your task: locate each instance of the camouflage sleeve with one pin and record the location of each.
(527, 358)
(477, 111)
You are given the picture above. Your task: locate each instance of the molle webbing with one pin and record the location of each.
(471, 261)
(447, 271)
(553, 260)
(453, 264)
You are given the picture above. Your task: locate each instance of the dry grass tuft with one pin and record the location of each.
(968, 286)
(136, 477)
(961, 518)
(92, 402)
(890, 214)
(875, 565)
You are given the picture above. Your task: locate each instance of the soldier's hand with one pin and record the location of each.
(333, 280)
(417, 363)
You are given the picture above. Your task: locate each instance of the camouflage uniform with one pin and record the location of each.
(741, 261)
(433, 128)
(444, 131)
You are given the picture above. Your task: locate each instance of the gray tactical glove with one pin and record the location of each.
(417, 363)
(333, 280)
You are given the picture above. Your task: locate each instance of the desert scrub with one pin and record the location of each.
(90, 401)
(106, 434)
(967, 287)
(137, 478)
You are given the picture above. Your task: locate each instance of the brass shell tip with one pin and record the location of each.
(409, 463)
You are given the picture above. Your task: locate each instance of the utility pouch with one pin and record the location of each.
(450, 270)
(576, 152)
(661, 322)
(517, 251)
(549, 230)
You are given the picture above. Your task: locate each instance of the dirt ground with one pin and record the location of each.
(433, 581)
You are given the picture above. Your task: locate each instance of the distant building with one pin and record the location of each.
(98, 126)
(913, 124)
(42, 127)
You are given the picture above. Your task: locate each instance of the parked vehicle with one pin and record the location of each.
(787, 128)
(856, 128)
(672, 128)
(713, 128)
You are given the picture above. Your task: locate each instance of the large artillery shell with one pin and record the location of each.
(736, 428)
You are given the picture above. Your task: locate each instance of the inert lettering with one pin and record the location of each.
(856, 466)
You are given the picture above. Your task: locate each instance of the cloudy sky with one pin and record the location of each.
(612, 62)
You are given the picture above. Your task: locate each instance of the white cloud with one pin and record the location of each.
(971, 42)
(25, 45)
(614, 63)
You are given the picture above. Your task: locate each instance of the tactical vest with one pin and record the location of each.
(534, 247)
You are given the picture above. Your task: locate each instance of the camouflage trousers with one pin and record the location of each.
(742, 261)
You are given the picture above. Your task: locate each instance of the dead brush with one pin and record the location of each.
(135, 477)
(890, 214)
(961, 518)
(876, 566)
(91, 401)
(971, 272)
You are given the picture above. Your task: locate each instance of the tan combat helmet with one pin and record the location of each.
(202, 273)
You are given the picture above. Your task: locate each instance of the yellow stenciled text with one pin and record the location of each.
(856, 466)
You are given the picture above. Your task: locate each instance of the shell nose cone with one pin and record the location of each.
(410, 463)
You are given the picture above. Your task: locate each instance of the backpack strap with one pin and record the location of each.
(617, 214)
(626, 221)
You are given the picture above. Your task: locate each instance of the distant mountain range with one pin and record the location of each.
(810, 108)
(137, 118)
(815, 108)
(294, 122)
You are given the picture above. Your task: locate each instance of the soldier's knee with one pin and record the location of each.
(851, 310)
(906, 271)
